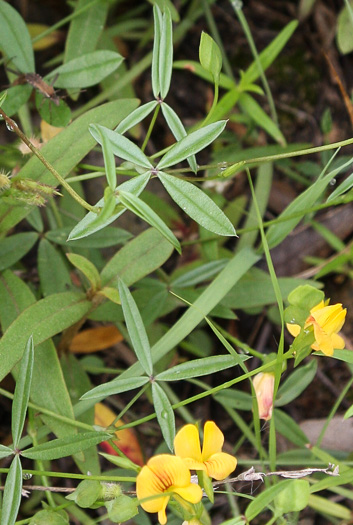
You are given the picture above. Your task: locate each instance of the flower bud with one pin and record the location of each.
(264, 386)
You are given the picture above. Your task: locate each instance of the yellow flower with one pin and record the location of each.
(326, 321)
(264, 385)
(163, 476)
(216, 463)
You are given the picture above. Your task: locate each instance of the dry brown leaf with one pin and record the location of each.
(95, 339)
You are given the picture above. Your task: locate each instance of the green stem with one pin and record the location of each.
(246, 29)
(13, 126)
(150, 128)
(51, 474)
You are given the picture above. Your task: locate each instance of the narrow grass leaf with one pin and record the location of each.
(86, 267)
(262, 501)
(279, 231)
(213, 294)
(269, 54)
(22, 391)
(177, 128)
(87, 226)
(13, 248)
(86, 70)
(135, 327)
(43, 319)
(346, 185)
(157, 15)
(12, 493)
(165, 53)
(117, 386)
(330, 508)
(200, 274)
(191, 65)
(142, 210)
(296, 383)
(121, 146)
(287, 427)
(197, 205)
(200, 367)
(136, 117)
(67, 446)
(191, 144)
(255, 112)
(165, 414)
(15, 40)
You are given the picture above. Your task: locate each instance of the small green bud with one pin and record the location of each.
(110, 491)
(4, 182)
(122, 508)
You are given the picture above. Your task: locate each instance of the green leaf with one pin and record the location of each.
(64, 152)
(344, 29)
(43, 319)
(200, 367)
(12, 493)
(196, 313)
(121, 146)
(178, 130)
(296, 383)
(121, 462)
(86, 226)
(191, 65)
(236, 399)
(305, 297)
(85, 28)
(135, 328)
(5, 451)
(87, 268)
(197, 205)
(86, 70)
(109, 236)
(50, 516)
(49, 258)
(165, 414)
(22, 390)
(117, 386)
(256, 113)
(48, 386)
(191, 144)
(56, 115)
(16, 97)
(288, 428)
(262, 501)
(13, 248)
(210, 56)
(346, 185)
(138, 258)
(67, 446)
(200, 274)
(109, 161)
(269, 54)
(277, 232)
(142, 210)
(165, 53)
(15, 41)
(136, 116)
(157, 16)
(294, 497)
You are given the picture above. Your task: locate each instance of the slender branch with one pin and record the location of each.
(11, 125)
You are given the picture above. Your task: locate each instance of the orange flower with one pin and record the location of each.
(326, 321)
(163, 476)
(264, 385)
(216, 463)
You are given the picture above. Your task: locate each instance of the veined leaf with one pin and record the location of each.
(178, 130)
(117, 386)
(165, 414)
(157, 15)
(86, 70)
(136, 329)
(87, 268)
(165, 53)
(121, 146)
(12, 493)
(22, 390)
(254, 110)
(136, 116)
(109, 161)
(200, 367)
(62, 447)
(5, 451)
(197, 205)
(13, 248)
(142, 210)
(191, 144)
(15, 40)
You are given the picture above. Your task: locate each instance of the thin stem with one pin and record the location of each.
(14, 127)
(150, 128)
(246, 29)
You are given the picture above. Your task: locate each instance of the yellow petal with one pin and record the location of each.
(147, 486)
(170, 470)
(338, 341)
(317, 307)
(220, 465)
(213, 440)
(162, 517)
(323, 341)
(187, 443)
(192, 493)
(192, 464)
(293, 329)
(329, 318)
